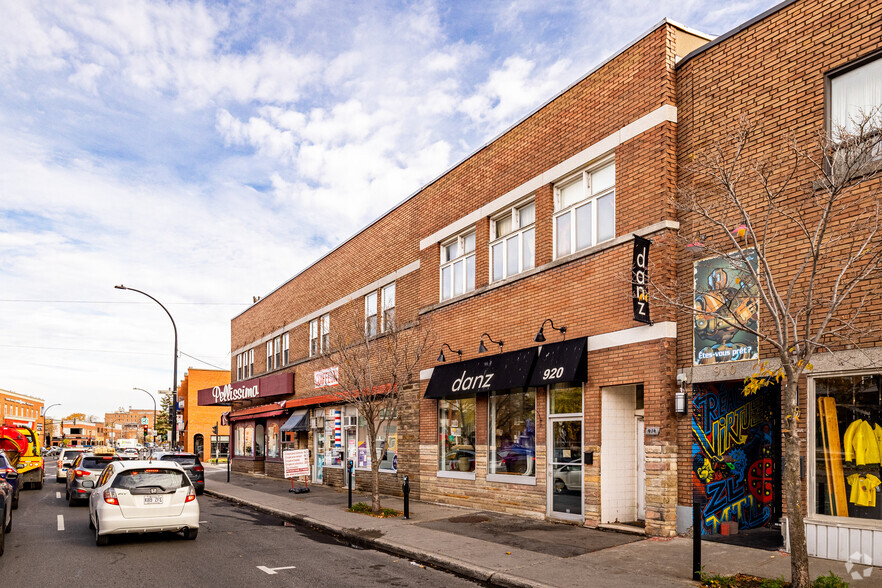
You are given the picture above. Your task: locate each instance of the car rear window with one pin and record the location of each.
(70, 454)
(97, 462)
(184, 460)
(147, 477)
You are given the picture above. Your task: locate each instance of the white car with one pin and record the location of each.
(143, 496)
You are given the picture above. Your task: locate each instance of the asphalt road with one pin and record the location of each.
(51, 543)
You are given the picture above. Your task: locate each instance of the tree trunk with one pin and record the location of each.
(375, 486)
(799, 568)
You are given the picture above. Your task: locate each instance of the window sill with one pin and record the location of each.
(654, 228)
(456, 475)
(512, 479)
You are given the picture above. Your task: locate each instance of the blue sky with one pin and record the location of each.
(207, 151)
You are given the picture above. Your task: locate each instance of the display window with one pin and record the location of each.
(513, 427)
(387, 440)
(240, 440)
(249, 441)
(272, 440)
(848, 446)
(334, 436)
(565, 398)
(456, 430)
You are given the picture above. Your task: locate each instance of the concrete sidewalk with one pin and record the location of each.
(506, 550)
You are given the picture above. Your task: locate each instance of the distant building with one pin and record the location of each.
(195, 430)
(128, 424)
(22, 410)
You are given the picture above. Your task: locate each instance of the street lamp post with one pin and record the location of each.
(46, 435)
(174, 415)
(154, 411)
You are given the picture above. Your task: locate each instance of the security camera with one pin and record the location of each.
(681, 379)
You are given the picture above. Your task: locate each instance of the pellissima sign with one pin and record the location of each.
(274, 385)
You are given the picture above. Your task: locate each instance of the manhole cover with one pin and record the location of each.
(471, 518)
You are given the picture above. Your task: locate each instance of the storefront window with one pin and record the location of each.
(456, 428)
(240, 440)
(249, 441)
(388, 444)
(272, 440)
(259, 441)
(334, 436)
(565, 398)
(848, 446)
(513, 432)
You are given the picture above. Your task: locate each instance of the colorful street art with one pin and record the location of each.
(724, 297)
(733, 455)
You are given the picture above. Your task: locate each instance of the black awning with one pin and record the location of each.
(561, 362)
(484, 374)
(298, 421)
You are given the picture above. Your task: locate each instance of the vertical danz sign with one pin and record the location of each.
(639, 280)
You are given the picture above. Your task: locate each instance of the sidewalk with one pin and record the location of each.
(506, 550)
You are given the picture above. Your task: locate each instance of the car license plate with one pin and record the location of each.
(153, 500)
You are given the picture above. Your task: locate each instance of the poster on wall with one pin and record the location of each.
(725, 297)
(734, 452)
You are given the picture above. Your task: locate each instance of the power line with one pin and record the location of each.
(34, 300)
(105, 351)
(201, 360)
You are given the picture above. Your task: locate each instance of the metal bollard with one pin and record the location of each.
(406, 489)
(696, 540)
(349, 465)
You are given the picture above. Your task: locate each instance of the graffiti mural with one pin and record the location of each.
(724, 297)
(733, 455)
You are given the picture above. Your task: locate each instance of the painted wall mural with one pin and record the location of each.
(728, 292)
(734, 455)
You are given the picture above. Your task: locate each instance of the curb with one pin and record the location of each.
(448, 564)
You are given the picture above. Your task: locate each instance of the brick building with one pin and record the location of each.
(197, 421)
(127, 424)
(547, 222)
(22, 410)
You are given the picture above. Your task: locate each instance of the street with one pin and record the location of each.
(51, 543)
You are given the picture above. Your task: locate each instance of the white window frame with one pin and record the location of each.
(864, 69)
(462, 257)
(387, 317)
(516, 233)
(277, 352)
(325, 333)
(239, 367)
(589, 198)
(286, 349)
(314, 340)
(370, 314)
(269, 355)
(250, 363)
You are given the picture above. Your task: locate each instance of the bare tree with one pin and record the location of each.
(803, 232)
(374, 358)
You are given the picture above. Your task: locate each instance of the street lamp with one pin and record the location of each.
(154, 411)
(46, 435)
(174, 415)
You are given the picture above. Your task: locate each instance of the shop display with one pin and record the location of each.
(829, 428)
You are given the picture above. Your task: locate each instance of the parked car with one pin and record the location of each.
(65, 458)
(7, 468)
(568, 477)
(87, 466)
(6, 493)
(142, 497)
(191, 464)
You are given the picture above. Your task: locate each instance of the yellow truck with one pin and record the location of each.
(30, 465)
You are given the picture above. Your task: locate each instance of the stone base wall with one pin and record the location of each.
(661, 490)
(274, 469)
(247, 466)
(390, 482)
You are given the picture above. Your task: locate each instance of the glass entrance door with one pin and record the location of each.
(566, 471)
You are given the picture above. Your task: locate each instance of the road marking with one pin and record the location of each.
(271, 571)
(58, 495)
(61, 522)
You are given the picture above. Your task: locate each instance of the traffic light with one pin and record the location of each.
(145, 429)
(214, 429)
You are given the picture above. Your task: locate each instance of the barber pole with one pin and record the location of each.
(338, 431)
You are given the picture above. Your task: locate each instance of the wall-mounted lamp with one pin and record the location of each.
(441, 355)
(482, 349)
(540, 336)
(680, 397)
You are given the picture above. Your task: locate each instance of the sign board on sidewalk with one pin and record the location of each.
(296, 462)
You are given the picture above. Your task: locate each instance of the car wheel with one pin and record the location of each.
(200, 491)
(60, 480)
(191, 534)
(91, 524)
(559, 486)
(66, 494)
(15, 500)
(8, 528)
(39, 485)
(71, 499)
(101, 540)
(2, 542)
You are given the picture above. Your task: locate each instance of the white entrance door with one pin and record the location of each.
(641, 471)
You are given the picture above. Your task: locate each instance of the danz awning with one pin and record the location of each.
(483, 374)
(561, 362)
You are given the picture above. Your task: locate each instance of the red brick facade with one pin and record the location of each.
(646, 109)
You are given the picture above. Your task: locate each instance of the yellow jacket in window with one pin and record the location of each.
(860, 443)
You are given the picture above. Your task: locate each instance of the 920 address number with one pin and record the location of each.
(552, 373)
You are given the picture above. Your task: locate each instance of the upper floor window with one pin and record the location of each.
(585, 206)
(458, 265)
(239, 366)
(513, 245)
(320, 335)
(250, 363)
(277, 352)
(286, 347)
(855, 94)
(388, 296)
(370, 314)
(269, 355)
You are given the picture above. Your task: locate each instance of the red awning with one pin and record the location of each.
(264, 410)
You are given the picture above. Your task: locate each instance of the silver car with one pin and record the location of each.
(87, 466)
(65, 458)
(142, 496)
